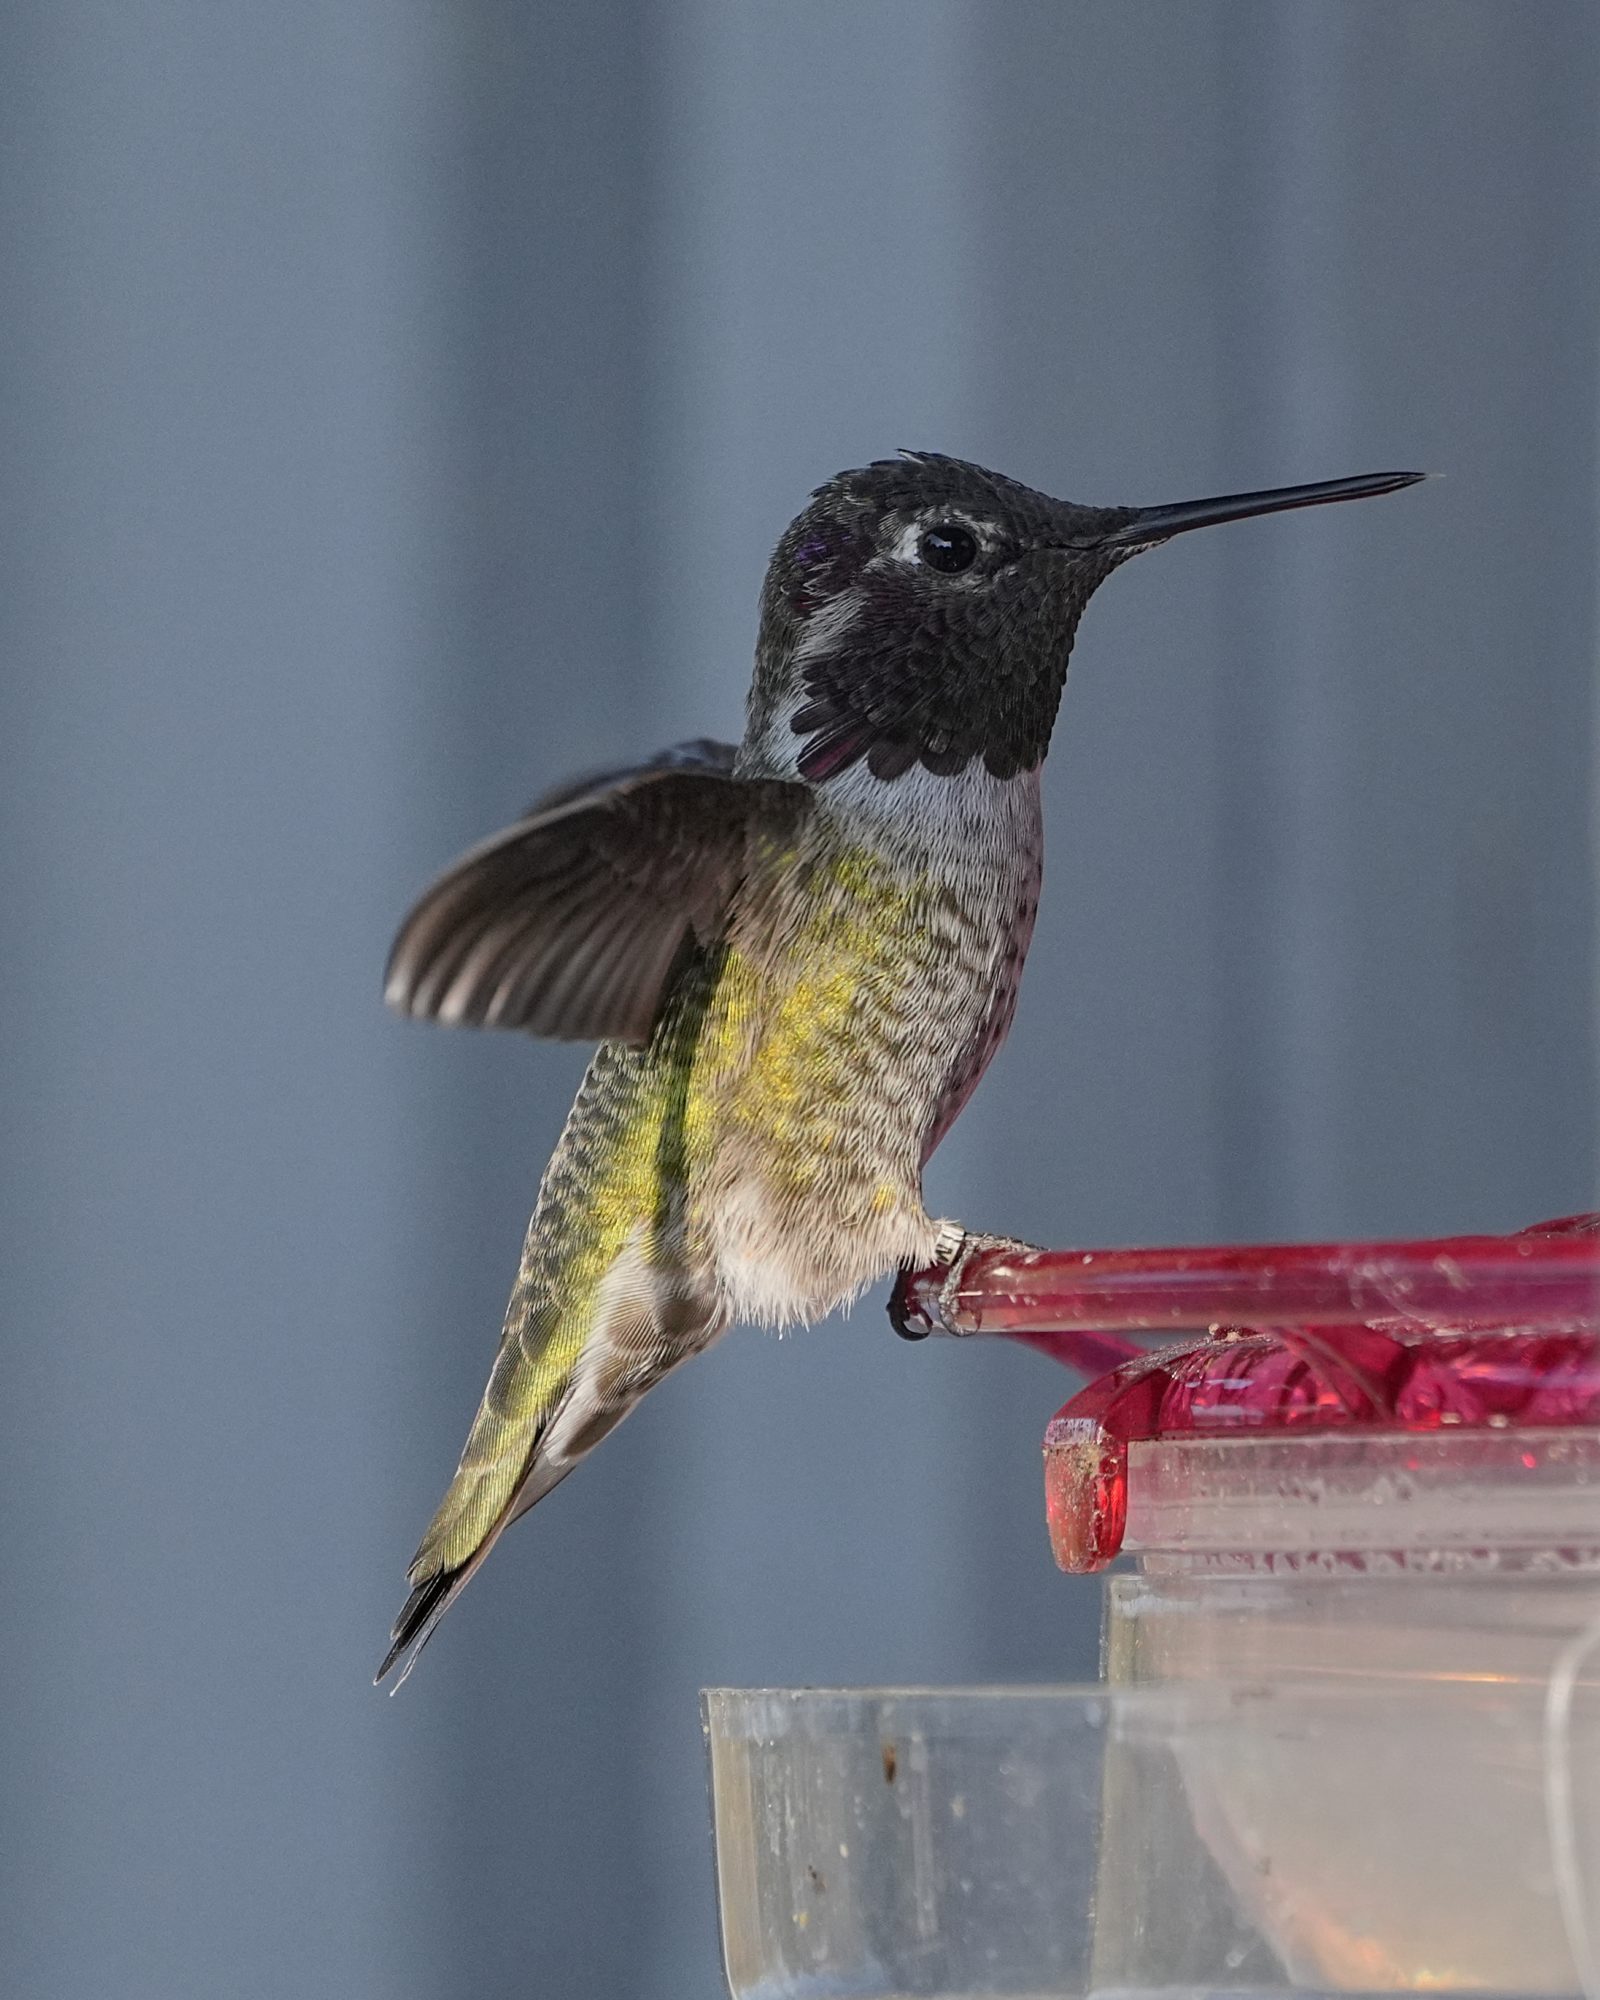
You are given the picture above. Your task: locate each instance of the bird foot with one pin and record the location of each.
(914, 1315)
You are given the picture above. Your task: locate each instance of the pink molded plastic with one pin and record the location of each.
(1477, 1332)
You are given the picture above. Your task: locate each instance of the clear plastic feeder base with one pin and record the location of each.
(1265, 1838)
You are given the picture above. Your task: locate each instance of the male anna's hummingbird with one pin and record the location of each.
(797, 956)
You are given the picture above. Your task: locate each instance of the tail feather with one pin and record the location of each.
(430, 1599)
(419, 1615)
(432, 1596)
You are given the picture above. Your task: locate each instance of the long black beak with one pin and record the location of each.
(1155, 524)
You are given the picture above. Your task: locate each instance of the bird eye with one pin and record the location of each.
(949, 547)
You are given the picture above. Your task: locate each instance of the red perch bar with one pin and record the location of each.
(1480, 1332)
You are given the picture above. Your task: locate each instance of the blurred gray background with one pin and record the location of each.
(399, 403)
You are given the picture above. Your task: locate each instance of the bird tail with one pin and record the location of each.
(420, 1613)
(433, 1596)
(563, 1378)
(436, 1584)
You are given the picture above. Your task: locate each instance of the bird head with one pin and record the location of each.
(921, 612)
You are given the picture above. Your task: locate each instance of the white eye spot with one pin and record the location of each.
(904, 546)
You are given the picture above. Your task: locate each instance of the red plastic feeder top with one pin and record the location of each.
(1486, 1333)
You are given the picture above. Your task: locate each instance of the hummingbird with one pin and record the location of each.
(798, 954)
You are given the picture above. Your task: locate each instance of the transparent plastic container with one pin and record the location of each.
(1349, 1735)
(1426, 1611)
(1198, 1838)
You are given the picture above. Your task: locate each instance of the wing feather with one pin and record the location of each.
(569, 923)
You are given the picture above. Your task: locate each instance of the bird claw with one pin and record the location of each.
(914, 1317)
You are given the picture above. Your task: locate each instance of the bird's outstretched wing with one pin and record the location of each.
(568, 924)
